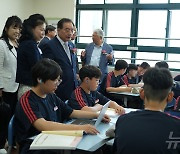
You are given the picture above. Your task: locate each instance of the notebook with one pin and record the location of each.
(57, 140)
(93, 122)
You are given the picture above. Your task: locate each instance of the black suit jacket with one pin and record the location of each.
(43, 42)
(54, 50)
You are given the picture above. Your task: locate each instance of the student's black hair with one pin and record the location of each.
(132, 67)
(162, 64)
(62, 21)
(120, 64)
(49, 28)
(45, 69)
(14, 21)
(29, 24)
(157, 83)
(90, 72)
(144, 65)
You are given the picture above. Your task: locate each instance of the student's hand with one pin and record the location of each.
(128, 89)
(106, 118)
(120, 110)
(89, 129)
(98, 107)
(83, 53)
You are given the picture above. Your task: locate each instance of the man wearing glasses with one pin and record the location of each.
(58, 50)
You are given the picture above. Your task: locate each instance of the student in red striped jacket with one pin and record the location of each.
(130, 78)
(86, 97)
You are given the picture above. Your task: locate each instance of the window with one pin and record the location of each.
(119, 1)
(152, 24)
(174, 31)
(153, 1)
(174, 57)
(91, 1)
(152, 21)
(126, 55)
(174, 1)
(118, 25)
(145, 56)
(89, 20)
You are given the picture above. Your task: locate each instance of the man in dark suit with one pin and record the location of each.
(50, 33)
(58, 50)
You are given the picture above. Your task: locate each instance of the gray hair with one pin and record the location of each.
(99, 32)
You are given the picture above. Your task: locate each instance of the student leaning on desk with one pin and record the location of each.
(114, 82)
(86, 97)
(41, 110)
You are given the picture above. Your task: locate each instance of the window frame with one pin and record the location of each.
(135, 7)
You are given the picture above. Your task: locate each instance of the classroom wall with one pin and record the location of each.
(21, 8)
(54, 9)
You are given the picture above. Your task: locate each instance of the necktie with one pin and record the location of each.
(67, 50)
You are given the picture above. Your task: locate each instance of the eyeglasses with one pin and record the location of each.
(67, 30)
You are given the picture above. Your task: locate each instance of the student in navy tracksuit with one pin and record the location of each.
(150, 131)
(39, 109)
(85, 97)
(113, 81)
(142, 68)
(129, 78)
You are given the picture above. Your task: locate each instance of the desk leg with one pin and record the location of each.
(125, 101)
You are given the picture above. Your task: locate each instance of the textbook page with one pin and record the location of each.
(53, 141)
(65, 132)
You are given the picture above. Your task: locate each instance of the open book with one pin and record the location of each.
(57, 140)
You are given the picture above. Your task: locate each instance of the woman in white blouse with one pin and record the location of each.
(8, 61)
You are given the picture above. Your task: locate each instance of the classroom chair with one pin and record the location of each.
(10, 135)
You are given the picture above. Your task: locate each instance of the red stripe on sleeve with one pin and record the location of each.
(27, 108)
(108, 82)
(125, 80)
(177, 101)
(79, 97)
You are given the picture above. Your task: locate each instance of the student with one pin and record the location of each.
(114, 82)
(39, 109)
(141, 70)
(129, 78)
(150, 131)
(162, 64)
(85, 97)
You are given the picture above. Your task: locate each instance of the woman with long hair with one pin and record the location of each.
(8, 66)
(28, 52)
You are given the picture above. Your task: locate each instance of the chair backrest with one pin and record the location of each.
(10, 134)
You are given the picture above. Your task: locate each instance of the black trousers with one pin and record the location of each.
(11, 99)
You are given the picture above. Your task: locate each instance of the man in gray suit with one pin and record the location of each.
(98, 53)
